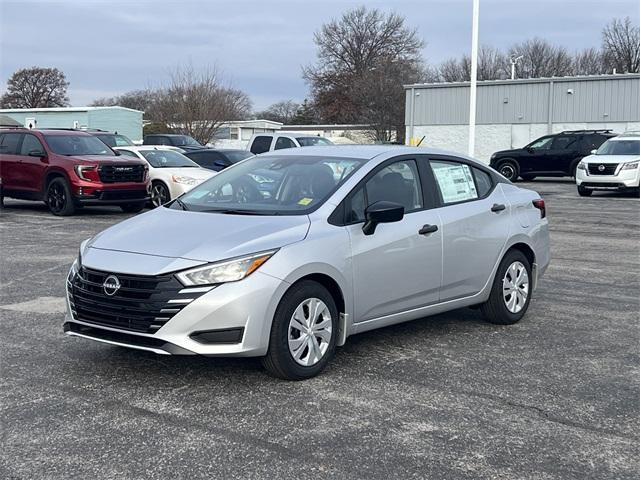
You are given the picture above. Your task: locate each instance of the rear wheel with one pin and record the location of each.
(303, 333)
(132, 207)
(509, 170)
(584, 192)
(511, 290)
(58, 197)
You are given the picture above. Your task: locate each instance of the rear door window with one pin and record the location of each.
(564, 142)
(455, 181)
(261, 144)
(11, 143)
(29, 144)
(284, 142)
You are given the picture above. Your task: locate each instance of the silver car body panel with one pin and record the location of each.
(392, 276)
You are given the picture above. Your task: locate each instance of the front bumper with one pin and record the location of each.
(247, 306)
(90, 193)
(623, 179)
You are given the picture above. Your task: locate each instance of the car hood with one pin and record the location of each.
(611, 158)
(197, 173)
(108, 159)
(503, 153)
(200, 236)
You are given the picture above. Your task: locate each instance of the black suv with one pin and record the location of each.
(554, 155)
(185, 142)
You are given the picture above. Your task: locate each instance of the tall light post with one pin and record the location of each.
(514, 60)
(474, 78)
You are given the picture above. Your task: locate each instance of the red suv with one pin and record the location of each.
(69, 169)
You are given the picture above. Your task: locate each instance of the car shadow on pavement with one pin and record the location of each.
(39, 207)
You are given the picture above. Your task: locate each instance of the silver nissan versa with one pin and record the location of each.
(286, 254)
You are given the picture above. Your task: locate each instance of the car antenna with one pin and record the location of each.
(420, 142)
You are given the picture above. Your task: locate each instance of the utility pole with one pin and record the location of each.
(474, 78)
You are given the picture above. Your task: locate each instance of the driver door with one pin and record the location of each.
(396, 268)
(535, 158)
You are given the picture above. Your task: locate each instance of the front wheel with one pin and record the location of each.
(303, 333)
(159, 194)
(132, 207)
(584, 192)
(511, 290)
(58, 198)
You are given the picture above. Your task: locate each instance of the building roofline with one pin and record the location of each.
(65, 109)
(330, 126)
(617, 76)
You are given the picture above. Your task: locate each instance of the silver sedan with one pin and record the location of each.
(287, 254)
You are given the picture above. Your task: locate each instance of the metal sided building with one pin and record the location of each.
(123, 120)
(511, 113)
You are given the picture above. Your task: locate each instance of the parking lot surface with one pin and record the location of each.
(553, 397)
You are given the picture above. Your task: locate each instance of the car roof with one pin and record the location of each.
(62, 132)
(166, 135)
(138, 148)
(366, 152)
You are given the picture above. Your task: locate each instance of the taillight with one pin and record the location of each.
(539, 204)
(87, 172)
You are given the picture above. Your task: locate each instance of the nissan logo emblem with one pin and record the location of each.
(601, 168)
(111, 285)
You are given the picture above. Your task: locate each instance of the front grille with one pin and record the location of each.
(121, 173)
(141, 304)
(607, 168)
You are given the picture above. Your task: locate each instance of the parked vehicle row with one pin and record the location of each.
(288, 253)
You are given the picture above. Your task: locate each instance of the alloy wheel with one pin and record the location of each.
(56, 197)
(515, 287)
(309, 333)
(508, 171)
(159, 195)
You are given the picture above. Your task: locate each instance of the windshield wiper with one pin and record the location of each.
(231, 211)
(182, 204)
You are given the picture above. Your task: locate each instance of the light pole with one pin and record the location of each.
(514, 60)
(474, 78)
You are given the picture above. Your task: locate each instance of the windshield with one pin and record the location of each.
(619, 147)
(167, 159)
(271, 185)
(77, 145)
(311, 141)
(115, 140)
(235, 156)
(185, 140)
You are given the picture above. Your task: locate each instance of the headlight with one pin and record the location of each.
(184, 180)
(88, 173)
(631, 165)
(582, 166)
(223, 272)
(75, 266)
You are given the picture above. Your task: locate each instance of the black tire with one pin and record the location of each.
(133, 207)
(584, 192)
(58, 198)
(159, 194)
(508, 169)
(279, 361)
(495, 309)
(527, 178)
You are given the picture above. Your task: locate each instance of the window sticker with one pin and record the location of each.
(455, 181)
(305, 201)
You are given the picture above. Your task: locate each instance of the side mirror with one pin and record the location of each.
(117, 153)
(530, 149)
(593, 152)
(381, 212)
(37, 153)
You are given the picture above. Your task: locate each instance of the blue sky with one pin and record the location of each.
(109, 47)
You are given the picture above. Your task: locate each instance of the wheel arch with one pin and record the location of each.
(50, 175)
(511, 160)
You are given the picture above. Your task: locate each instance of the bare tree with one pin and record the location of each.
(282, 112)
(137, 99)
(352, 51)
(541, 59)
(589, 61)
(36, 87)
(621, 45)
(197, 103)
(492, 65)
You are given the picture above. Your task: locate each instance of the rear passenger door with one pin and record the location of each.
(564, 150)
(475, 225)
(32, 168)
(10, 160)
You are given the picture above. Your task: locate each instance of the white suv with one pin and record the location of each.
(614, 166)
(268, 142)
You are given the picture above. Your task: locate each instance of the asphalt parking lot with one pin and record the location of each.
(553, 397)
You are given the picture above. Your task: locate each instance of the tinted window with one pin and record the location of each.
(454, 180)
(541, 144)
(483, 181)
(564, 142)
(398, 183)
(128, 153)
(77, 145)
(311, 141)
(201, 159)
(10, 143)
(123, 141)
(284, 142)
(29, 144)
(261, 144)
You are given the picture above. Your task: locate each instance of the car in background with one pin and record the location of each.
(68, 169)
(268, 142)
(401, 234)
(217, 159)
(112, 139)
(170, 172)
(613, 166)
(185, 142)
(554, 155)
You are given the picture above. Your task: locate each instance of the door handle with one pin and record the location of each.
(427, 229)
(498, 207)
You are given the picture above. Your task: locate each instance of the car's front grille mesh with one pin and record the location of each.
(141, 304)
(602, 168)
(121, 173)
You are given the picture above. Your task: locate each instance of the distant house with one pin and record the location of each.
(123, 120)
